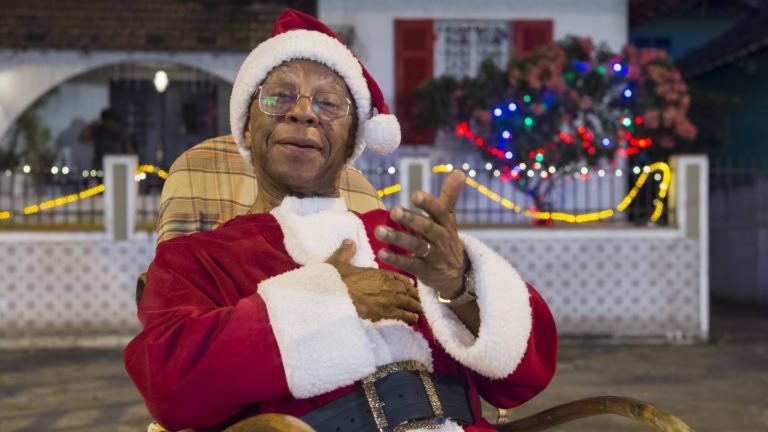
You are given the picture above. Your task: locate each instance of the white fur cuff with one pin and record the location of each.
(322, 341)
(505, 316)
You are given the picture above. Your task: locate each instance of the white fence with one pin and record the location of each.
(61, 288)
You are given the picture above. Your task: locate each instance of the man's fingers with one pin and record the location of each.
(433, 206)
(408, 264)
(405, 316)
(416, 222)
(401, 239)
(344, 253)
(452, 186)
(409, 303)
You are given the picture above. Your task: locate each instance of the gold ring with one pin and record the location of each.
(426, 252)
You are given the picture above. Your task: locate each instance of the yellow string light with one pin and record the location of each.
(149, 169)
(485, 191)
(45, 205)
(584, 217)
(87, 193)
(389, 190)
(666, 178)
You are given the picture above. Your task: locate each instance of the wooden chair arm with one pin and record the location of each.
(623, 406)
(270, 423)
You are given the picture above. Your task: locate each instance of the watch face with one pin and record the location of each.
(469, 281)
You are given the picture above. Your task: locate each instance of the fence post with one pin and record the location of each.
(689, 204)
(120, 196)
(415, 174)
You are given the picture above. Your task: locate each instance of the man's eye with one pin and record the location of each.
(328, 104)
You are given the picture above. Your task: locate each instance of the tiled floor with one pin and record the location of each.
(721, 386)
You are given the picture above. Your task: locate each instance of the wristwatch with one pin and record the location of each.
(468, 295)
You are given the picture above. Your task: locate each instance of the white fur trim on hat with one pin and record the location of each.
(381, 133)
(309, 45)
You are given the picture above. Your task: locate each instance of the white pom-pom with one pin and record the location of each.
(382, 133)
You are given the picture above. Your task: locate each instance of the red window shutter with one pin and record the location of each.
(414, 46)
(530, 34)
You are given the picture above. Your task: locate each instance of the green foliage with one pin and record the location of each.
(568, 105)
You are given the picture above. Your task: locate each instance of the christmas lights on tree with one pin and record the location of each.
(569, 109)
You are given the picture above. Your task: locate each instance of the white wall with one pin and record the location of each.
(373, 21)
(27, 75)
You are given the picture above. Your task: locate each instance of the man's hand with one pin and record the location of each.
(377, 294)
(438, 257)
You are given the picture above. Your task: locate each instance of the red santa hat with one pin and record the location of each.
(300, 36)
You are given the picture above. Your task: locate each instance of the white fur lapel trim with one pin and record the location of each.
(314, 228)
(394, 341)
(322, 341)
(505, 316)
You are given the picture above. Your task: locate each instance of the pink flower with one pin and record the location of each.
(670, 116)
(685, 102)
(685, 129)
(483, 116)
(671, 96)
(630, 52)
(667, 142)
(651, 119)
(587, 45)
(556, 83)
(634, 74)
(514, 77)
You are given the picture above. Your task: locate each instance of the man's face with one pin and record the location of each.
(297, 153)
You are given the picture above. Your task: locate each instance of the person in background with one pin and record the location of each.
(108, 137)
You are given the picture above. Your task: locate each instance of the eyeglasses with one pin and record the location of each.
(278, 99)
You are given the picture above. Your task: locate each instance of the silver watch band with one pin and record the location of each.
(468, 295)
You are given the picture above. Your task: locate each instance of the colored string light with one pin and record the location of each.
(584, 217)
(484, 190)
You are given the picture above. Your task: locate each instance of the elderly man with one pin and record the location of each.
(349, 321)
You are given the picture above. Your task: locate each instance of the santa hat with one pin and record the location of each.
(300, 36)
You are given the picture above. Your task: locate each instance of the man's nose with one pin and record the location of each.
(302, 112)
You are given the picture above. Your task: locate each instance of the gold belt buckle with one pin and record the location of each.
(377, 408)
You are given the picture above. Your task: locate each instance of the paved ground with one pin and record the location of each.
(721, 386)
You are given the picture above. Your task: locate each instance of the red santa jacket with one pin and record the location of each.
(248, 318)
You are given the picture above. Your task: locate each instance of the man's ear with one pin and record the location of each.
(351, 139)
(247, 130)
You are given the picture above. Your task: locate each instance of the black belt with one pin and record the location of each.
(405, 398)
